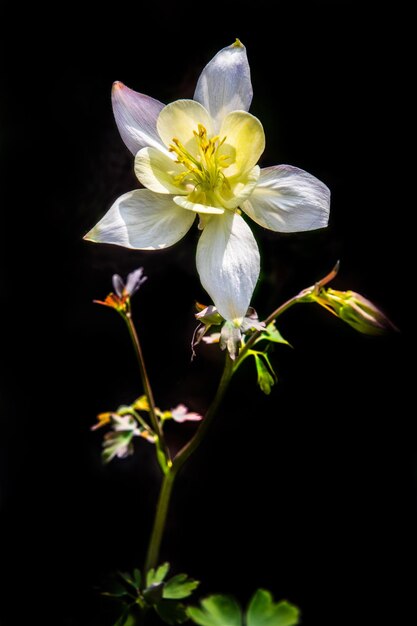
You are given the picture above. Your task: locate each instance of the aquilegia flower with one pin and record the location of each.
(200, 157)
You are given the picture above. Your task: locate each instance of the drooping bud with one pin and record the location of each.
(356, 311)
(349, 306)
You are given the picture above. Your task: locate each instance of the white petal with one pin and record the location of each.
(197, 207)
(136, 116)
(228, 263)
(225, 84)
(289, 200)
(180, 120)
(142, 220)
(156, 171)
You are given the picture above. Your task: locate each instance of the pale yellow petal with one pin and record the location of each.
(244, 142)
(179, 120)
(196, 206)
(157, 171)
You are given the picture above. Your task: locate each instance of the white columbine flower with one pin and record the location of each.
(200, 157)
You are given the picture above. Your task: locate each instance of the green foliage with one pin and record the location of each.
(262, 611)
(156, 594)
(266, 375)
(272, 334)
(219, 610)
(157, 576)
(180, 586)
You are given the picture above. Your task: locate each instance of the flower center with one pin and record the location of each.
(203, 169)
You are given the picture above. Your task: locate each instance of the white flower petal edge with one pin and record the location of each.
(225, 84)
(288, 200)
(142, 220)
(228, 263)
(136, 116)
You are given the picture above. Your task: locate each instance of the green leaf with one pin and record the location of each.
(137, 577)
(216, 610)
(180, 586)
(262, 611)
(266, 375)
(127, 578)
(272, 334)
(158, 575)
(171, 612)
(117, 590)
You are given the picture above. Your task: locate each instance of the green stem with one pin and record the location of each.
(281, 309)
(160, 439)
(189, 448)
(160, 520)
(182, 456)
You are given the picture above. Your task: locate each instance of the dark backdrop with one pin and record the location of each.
(310, 492)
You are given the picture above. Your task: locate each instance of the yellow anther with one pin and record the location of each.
(203, 164)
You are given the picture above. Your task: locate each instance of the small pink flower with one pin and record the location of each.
(181, 414)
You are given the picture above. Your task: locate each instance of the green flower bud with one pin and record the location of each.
(355, 310)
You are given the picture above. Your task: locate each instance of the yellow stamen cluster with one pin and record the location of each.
(203, 171)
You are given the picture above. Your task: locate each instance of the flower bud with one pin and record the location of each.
(355, 310)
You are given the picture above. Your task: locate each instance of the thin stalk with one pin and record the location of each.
(160, 520)
(182, 456)
(189, 448)
(156, 426)
(281, 309)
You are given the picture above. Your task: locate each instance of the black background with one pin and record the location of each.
(311, 492)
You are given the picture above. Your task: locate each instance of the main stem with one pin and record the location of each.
(182, 456)
(160, 520)
(147, 387)
(185, 452)
(281, 309)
